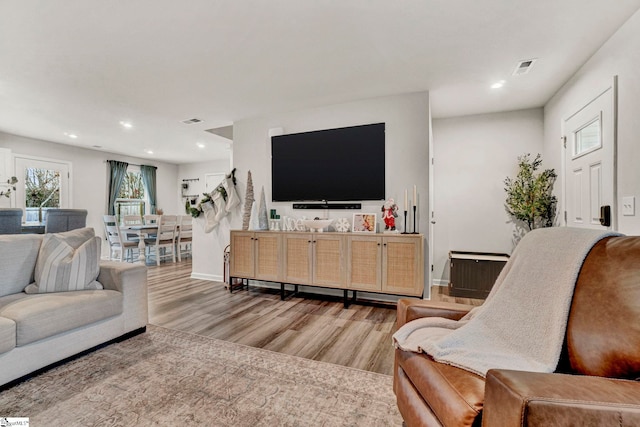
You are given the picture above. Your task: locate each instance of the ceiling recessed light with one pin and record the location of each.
(148, 151)
(126, 125)
(200, 144)
(498, 85)
(71, 135)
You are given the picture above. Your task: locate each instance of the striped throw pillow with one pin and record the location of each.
(61, 268)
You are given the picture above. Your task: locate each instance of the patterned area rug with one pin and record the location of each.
(165, 377)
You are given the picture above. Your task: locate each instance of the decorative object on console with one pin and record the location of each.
(389, 214)
(263, 219)
(317, 224)
(254, 223)
(288, 223)
(300, 224)
(274, 220)
(364, 223)
(248, 203)
(342, 225)
(415, 208)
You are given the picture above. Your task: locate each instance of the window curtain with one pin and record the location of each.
(149, 180)
(118, 171)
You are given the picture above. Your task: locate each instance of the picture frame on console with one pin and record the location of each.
(364, 222)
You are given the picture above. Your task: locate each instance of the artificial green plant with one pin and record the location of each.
(530, 196)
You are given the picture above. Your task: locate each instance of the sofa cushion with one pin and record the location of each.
(18, 254)
(61, 267)
(454, 395)
(7, 334)
(601, 340)
(44, 315)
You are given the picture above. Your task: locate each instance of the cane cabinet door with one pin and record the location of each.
(329, 261)
(402, 272)
(242, 262)
(267, 256)
(365, 255)
(297, 256)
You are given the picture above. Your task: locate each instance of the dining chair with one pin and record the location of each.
(117, 242)
(185, 233)
(131, 220)
(151, 219)
(10, 221)
(59, 220)
(164, 244)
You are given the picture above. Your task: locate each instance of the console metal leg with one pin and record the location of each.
(283, 291)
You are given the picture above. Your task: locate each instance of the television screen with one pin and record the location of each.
(345, 164)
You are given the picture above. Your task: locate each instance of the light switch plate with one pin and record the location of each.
(629, 206)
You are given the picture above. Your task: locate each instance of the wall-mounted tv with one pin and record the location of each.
(344, 164)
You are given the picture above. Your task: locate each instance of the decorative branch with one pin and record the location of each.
(11, 181)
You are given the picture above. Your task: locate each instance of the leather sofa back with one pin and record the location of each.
(603, 331)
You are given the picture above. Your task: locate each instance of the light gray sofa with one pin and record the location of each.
(38, 330)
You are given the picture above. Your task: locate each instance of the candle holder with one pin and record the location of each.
(415, 208)
(404, 230)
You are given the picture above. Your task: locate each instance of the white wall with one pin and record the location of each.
(90, 175)
(207, 257)
(473, 155)
(407, 119)
(620, 56)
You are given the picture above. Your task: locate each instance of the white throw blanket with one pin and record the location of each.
(522, 323)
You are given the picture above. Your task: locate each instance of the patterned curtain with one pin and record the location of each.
(149, 180)
(118, 172)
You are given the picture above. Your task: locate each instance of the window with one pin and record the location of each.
(131, 198)
(587, 138)
(42, 185)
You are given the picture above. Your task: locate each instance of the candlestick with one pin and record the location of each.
(405, 200)
(415, 208)
(404, 230)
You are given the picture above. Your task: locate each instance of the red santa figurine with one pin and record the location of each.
(389, 214)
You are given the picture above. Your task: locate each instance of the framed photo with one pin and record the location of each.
(364, 223)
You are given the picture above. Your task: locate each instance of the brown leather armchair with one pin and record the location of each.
(597, 382)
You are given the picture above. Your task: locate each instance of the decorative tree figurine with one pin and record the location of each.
(530, 195)
(248, 203)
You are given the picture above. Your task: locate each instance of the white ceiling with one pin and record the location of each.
(83, 66)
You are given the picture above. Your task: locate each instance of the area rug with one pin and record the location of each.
(165, 377)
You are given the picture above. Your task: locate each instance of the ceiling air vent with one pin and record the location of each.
(524, 67)
(191, 121)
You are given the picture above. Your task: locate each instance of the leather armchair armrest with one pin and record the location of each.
(516, 398)
(411, 309)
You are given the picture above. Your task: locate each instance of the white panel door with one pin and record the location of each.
(589, 163)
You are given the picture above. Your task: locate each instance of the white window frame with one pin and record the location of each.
(66, 195)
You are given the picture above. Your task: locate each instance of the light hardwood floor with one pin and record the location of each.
(317, 328)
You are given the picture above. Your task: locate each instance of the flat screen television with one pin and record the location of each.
(344, 164)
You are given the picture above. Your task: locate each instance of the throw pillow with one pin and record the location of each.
(61, 267)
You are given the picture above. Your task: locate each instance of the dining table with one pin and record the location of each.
(142, 231)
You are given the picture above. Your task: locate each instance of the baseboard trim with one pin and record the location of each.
(439, 282)
(209, 277)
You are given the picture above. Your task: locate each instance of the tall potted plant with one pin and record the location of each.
(530, 196)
